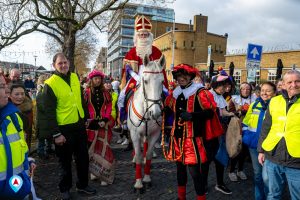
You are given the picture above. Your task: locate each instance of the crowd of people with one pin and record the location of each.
(75, 117)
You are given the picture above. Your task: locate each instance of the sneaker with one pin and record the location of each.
(86, 190)
(103, 183)
(125, 142)
(65, 195)
(93, 177)
(232, 176)
(223, 189)
(242, 175)
(120, 141)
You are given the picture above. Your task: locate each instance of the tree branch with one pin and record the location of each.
(61, 18)
(51, 35)
(104, 8)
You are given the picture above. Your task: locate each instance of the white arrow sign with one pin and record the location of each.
(254, 52)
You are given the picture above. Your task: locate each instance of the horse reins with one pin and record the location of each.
(142, 118)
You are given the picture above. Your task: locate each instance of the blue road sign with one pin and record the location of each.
(254, 52)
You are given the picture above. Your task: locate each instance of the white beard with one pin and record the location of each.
(144, 46)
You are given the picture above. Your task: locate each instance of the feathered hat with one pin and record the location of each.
(185, 69)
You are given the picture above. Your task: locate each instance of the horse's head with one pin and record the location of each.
(152, 84)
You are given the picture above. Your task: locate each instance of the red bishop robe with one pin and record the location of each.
(135, 62)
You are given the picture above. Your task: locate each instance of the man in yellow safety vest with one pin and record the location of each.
(279, 143)
(64, 109)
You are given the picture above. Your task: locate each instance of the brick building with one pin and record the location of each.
(191, 44)
(268, 66)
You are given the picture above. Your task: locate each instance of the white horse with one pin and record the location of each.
(145, 116)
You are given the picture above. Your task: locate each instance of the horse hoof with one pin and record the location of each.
(139, 190)
(147, 185)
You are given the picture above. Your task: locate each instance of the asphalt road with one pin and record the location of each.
(163, 174)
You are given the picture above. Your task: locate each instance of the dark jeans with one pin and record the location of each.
(76, 144)
(44, 146)
(196, 175)
(212, 147)
(260, 177)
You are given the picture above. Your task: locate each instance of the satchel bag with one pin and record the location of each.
(99, 166)
(234, 137)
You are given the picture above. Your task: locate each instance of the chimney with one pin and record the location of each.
(200, 23)
(190, 25)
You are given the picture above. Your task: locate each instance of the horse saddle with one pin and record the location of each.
(128, 96)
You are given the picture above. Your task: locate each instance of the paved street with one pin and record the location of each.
(163, 181)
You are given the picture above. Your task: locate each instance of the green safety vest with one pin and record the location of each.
(68, 99)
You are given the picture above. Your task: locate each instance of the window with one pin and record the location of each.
(168, 29)
(160, 11)
(220, 49)
(130, 11)
(127, 42)
(216, 50)
(127, 31)
(257, 77)
(272, 76)
(183, 43)
(192, 43)
(237, 77)
(146, 9)
(128, 21)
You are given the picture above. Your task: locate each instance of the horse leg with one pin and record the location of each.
(138, 186)
(145, 145)
(151, 141)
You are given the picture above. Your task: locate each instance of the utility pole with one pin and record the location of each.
(35, 56)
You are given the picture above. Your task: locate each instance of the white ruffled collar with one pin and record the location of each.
(187, 92)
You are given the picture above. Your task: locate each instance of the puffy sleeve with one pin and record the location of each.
(206, 100)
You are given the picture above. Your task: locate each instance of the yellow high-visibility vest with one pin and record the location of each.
(18, 149)
(251, 118)
(284, 124)
(114, 97)
(68, 99)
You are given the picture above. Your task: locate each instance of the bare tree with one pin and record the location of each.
(59, 19)
(85, 49)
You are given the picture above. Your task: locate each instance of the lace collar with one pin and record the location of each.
(187, 92)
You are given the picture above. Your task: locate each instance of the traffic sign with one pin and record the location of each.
(252, 66)
(208, 55)
(254, 52)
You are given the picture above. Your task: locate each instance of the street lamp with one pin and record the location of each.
(35, 56)
(173, 43)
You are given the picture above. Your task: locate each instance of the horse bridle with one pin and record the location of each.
(153, 101)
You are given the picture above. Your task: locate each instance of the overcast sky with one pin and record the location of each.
(275, 24)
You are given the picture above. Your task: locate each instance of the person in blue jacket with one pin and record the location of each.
(14, 162)
(252, 125)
